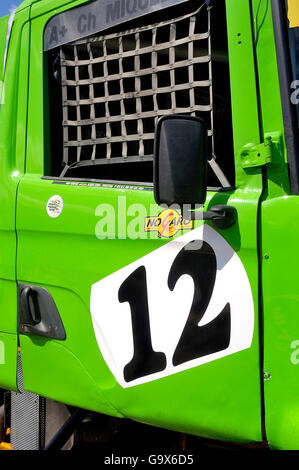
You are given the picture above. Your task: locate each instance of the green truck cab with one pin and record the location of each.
(111, 300)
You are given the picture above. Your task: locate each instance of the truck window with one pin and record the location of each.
(106, 92)
(294, 46)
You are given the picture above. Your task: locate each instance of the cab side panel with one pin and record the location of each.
(12, 150)
(281, 321)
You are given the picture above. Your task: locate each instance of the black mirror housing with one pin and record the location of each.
(180, 160)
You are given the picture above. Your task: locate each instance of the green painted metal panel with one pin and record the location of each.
(219, 399)
(12, 147)
(68, 259)
(281, 326)
(243, 89)
(71, 384)
(3, 30)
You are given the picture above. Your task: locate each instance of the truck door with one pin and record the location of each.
(105, 286)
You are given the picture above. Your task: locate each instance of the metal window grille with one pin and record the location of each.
(116, 86)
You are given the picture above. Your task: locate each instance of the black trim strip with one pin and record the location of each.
(285, 78)
(259, 232)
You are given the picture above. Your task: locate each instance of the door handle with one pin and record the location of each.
(38, 314)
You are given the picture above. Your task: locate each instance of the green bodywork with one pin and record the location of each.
(224, 399)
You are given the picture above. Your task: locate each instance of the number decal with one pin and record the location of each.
(145, 360)
(197, 341)
(180, 306)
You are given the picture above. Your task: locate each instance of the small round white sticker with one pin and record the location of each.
(54, 206)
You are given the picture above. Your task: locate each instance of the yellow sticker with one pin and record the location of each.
(293, 13)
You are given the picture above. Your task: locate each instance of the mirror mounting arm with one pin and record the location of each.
(221, 216)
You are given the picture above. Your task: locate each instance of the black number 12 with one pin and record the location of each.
(195, 341)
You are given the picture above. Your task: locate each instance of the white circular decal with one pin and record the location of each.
(54, 206)
(183, 305)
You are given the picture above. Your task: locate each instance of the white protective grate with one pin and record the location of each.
(116, 86)
(27, 416)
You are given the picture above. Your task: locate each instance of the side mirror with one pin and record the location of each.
(180, 160)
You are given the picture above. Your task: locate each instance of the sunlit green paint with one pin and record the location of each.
(195, 392)
(272, 120)
(8, 360)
